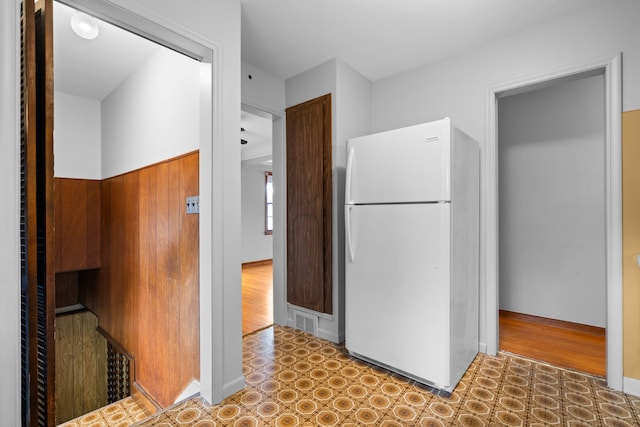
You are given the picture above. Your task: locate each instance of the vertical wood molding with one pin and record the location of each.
(631, 240)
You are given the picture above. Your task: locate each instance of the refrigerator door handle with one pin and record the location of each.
(350, 157)
(348, 232)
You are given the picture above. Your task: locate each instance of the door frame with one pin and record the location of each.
(212, 170)
(278, 169)
(489, 255)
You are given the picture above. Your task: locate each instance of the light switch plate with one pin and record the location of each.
(193, 204)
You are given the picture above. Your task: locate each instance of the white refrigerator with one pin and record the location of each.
(412, 237)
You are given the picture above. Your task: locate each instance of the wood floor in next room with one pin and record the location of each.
(257, 296)
(565, 344)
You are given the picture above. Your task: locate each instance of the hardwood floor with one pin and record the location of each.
(564, 344)
(257, 296)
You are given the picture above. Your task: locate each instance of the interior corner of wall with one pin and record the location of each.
(631, 386)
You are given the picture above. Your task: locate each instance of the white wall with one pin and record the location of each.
(457, 87)
(153, 115)
(261, 89)
(353, 118)
(9, 213)
(77, 137)
(256, 246)
(552, 240)
(351, 107)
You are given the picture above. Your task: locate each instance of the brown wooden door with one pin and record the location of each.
(37, 227)
(309, 266)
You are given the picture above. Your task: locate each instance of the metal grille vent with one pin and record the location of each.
(305, 322)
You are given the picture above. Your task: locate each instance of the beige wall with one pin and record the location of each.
(631, 241)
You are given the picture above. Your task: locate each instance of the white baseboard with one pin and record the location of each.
(631, 386)
(330, 336)
(482, 347)
(322, 333)
(233, 387)
(192, 389)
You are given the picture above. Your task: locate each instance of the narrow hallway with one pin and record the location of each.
(257, 296)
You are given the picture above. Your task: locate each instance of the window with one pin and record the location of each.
(268, 203)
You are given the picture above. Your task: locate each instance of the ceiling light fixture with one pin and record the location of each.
(84, 26)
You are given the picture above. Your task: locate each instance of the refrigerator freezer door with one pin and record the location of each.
(403, 165)
(397, 288)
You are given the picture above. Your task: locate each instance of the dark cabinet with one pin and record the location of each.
(77, 223)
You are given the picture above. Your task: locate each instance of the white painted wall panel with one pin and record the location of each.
(152, 116)
(261, 89)
(77, 137)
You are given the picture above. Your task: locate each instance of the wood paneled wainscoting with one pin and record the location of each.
(146, 292)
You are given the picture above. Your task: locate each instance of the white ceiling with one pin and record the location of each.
(257, 132)
(381, 38)
(93, 68)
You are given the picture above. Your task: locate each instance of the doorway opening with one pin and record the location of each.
(142, 141)
(257, 218)
(552, 223)
(609, 179)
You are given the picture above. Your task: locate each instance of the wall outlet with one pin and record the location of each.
(193, 204)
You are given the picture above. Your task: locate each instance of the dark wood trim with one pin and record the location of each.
(78, 308)
(327, 204)
(46, 101)
(29, 130)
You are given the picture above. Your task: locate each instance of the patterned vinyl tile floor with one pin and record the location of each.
(120, 414)
(294, 379)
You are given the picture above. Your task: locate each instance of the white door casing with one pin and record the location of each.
(489, 260)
